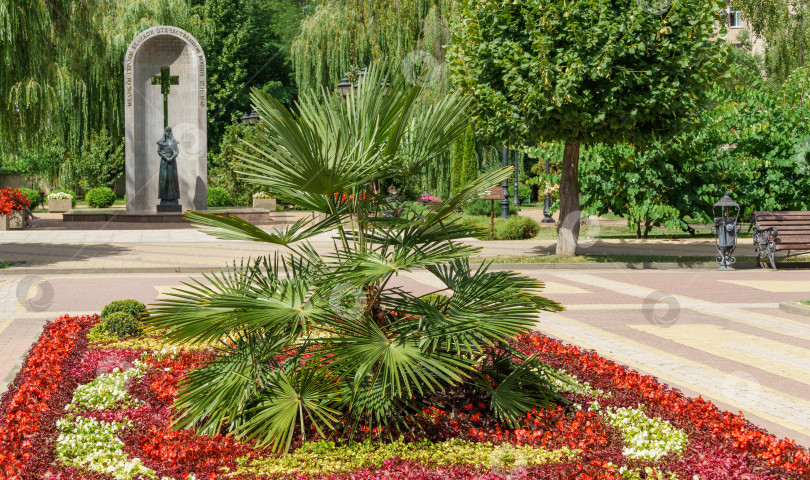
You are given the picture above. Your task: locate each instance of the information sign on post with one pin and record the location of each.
(495, 193)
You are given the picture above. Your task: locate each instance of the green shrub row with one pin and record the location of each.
(100, 197)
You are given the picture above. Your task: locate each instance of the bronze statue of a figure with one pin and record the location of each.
(169, 182)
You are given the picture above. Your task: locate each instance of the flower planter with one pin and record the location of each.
(433, 205)
(3, 223)
(268, 203)
(16, 221)
(59, 205)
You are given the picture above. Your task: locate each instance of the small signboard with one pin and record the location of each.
(495, 193)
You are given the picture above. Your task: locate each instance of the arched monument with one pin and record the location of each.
(165, 86)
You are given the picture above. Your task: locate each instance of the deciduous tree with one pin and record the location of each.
(583, 71)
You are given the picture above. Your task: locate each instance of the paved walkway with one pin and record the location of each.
(188, 250)
(715, 334)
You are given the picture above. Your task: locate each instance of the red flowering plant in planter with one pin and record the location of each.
(14, 199)
(6, 205)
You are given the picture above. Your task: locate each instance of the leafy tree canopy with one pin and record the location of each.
(752, 140)
(785, 25)
(584, 70)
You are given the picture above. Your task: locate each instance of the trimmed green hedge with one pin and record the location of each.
(100, 197)
(516, 228)
(219, 197)
(121, 324)
(33, 196)
(132, 307)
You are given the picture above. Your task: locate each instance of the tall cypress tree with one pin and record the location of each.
(470, 159)
(457, 167)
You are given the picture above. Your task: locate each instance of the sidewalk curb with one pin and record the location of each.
(795, 308)
(81, 270)
(12, 271)
(617, 266)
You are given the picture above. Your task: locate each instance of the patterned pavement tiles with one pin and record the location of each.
(701, 333)
(696, 331)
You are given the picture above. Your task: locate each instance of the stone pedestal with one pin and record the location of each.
(268, 203)
(59, 205)
(149, 54)
(169, 208)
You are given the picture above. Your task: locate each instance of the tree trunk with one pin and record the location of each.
(638, 228)
(647, 228)
(568, 226)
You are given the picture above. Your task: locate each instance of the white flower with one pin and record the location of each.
(60, 196)
(645, 438)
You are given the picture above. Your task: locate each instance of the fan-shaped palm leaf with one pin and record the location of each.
(249, 297)
(290, 403)
(218, 392)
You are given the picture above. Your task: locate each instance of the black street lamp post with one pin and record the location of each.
(547, 205)
(726, 215)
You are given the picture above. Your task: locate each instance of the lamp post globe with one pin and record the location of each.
(250, 119)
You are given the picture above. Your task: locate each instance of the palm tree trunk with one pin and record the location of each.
(568, 225)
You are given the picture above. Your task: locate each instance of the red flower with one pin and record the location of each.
(12, 199)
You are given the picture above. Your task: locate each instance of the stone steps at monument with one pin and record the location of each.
(253, 215)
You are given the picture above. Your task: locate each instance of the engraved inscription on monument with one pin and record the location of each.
(165, 106)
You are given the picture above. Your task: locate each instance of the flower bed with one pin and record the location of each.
(103, 410)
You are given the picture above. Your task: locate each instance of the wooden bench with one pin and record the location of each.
(780, 231)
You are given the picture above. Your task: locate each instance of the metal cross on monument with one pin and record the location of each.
(165, 80)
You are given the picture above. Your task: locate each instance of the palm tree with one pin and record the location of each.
(309, 341)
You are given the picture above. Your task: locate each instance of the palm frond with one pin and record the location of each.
(217, 393)
(273, 297)
(434, 127)
(518, 387)
(233, 228)
(291, 403)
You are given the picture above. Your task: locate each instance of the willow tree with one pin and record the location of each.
(344, 34)
(40, 44)
(583, 71)
(785, 25)
(63, 68)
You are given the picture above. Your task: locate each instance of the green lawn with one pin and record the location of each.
(118, 201)
(623, 259)
(596, 230)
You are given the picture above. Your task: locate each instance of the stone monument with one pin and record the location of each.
(166, 122)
